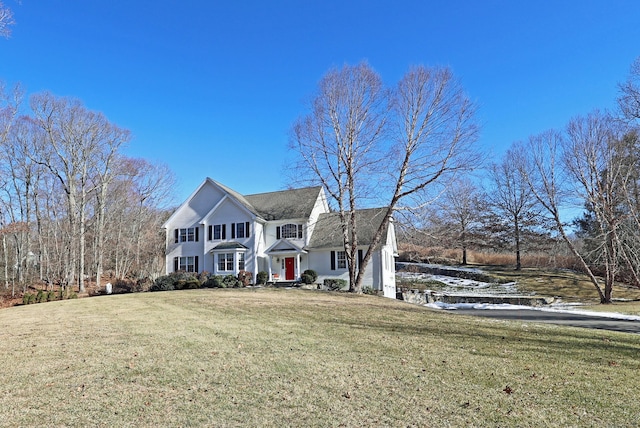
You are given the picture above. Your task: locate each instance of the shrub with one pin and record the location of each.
(245, 277)
(51, 295)
(179, 280)
(189, 284)
(140, 285)
(231, 281)
(28, 298)
(262, 277)
(335, 284)
(370, 291)
(163, 283)
(309, 276)
(214, 281)
(41, 296)
(203, 276)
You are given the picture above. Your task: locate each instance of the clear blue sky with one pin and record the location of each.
(211, 88)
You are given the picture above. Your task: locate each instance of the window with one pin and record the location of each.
(189, 234)
(289, 231)
(217, 231)
(240, 230)
(225, 262)
(338, 260)
(240, 261)
(187, 264)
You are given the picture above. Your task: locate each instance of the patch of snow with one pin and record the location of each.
(456, 284)
(565, 308)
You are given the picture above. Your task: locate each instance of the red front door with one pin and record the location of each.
(289, 269)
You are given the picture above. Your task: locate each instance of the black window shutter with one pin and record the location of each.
(224, 231)
(299, 231)
(246, 230)
(196, 264)
(210, 232)
(197, 230)
(360, 257)
(333, 260)
(233, 231)
(175, 264)
(278, 232)
(175, 234)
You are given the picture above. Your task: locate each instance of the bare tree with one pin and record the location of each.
(511, 200)
(24, 175)
(592, 159)
(102, 173)
(11, 220)
(424, 137)
(78, 146)
(629, 100)
(338, 140)
(541, 164)
(459, 211)
(139, 199)
(6, 21)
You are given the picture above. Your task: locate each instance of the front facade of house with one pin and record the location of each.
(282, 233)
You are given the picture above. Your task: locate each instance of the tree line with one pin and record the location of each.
(412, 146)
(591, 164)
(72, 207)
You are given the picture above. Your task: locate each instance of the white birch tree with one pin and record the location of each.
(404, 141)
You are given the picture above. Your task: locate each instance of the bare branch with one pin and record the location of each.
(6, 21)
(629, 100)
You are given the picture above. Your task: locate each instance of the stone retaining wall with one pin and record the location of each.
(428, 296)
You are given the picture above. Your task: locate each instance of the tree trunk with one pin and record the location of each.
(517, 239)
(6, 262)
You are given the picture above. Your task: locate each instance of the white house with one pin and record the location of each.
(283, 233)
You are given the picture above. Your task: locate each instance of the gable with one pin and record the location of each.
(284, 246)
(198, 204)
(228, 210)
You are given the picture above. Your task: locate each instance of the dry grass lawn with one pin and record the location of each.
(301, 358)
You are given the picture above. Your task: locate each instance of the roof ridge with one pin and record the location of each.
(284, 190)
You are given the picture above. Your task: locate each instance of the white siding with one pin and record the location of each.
(320, 261)
(209, 205)
(321, 206)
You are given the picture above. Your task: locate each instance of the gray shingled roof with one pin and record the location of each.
(230, 246)
(328, 233)
(295, 203)
(239, 197)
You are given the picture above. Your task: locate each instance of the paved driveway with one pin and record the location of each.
(562, 318)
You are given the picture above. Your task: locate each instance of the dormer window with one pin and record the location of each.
(289, 231)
